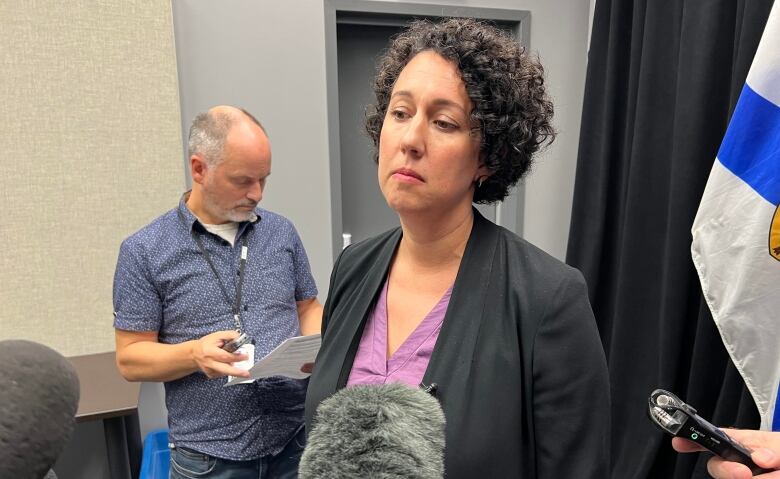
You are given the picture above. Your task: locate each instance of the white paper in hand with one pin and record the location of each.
(286, 360)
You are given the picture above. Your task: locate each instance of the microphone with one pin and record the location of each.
(378, 431)
(39, 394)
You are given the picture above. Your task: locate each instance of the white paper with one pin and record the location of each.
(285, 360)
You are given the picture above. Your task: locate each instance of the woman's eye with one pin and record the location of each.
(445, 125)
(399, 114)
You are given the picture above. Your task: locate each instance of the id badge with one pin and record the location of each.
(249, 350)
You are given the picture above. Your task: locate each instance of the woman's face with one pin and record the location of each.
(428, 157)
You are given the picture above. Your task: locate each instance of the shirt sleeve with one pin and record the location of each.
(305, 287)
(137, 303)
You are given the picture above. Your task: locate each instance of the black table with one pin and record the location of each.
(108, 397)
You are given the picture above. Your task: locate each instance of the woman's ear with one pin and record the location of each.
(483, 172)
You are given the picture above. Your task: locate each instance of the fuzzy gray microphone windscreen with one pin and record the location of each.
(379, 432)
(39, 396)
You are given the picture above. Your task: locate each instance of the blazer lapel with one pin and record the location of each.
(450, 364)
(365, 297)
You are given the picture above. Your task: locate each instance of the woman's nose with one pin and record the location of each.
(413, 137)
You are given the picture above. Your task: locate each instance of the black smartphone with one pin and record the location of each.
(233, 345)
(676, 418)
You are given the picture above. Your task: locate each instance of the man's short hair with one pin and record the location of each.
(209, 130)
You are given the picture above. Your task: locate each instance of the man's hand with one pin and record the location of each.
(307, 368)
(766, 454)
(214, 361)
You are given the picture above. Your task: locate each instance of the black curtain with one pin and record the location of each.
(663, 78)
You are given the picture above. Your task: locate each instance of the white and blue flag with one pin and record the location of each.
(736, 233)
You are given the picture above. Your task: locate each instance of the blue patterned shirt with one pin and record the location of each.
(163, 283)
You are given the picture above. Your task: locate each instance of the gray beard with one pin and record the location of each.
(224, 214)
(238, 216)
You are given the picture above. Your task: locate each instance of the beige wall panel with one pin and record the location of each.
(91, 151)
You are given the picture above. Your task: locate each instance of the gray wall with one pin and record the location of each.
(90, 110)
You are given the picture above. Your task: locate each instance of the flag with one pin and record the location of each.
(736, 233)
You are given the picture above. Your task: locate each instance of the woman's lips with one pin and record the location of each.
(408, 176)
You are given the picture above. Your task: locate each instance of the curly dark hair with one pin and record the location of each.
(504, 83)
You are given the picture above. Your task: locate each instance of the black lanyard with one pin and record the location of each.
(241, 268)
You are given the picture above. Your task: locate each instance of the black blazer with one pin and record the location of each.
(519, 365)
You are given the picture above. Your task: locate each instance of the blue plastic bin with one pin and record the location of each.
(156, 457)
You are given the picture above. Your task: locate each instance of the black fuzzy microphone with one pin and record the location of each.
(379, 432)
(39, 396)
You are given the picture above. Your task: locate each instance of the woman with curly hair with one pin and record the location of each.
(504, 331)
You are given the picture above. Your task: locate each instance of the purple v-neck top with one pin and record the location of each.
(410, 360)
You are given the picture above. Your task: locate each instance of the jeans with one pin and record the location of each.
(189, 464)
